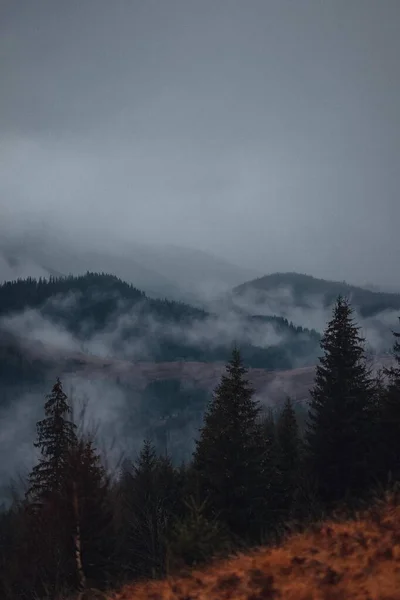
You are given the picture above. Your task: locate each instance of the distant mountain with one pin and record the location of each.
(202, 274)
(160, 270)
(280, 292)
(391, 289)
(102, 316)
(60, 260)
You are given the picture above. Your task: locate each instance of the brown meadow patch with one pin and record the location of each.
(357, 559)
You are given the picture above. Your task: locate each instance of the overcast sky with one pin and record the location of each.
(265, 131)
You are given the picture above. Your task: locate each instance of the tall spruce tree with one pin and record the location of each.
(50, 517)
(67, 503)
(56, 438)
(390, 417)
(337, 432)
(231, 456)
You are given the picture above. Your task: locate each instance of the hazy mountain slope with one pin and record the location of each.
(160, 270)
(62, 260)
(357, 559)
(281, 291)
(100, 315)
(203, 275)
(99, 326)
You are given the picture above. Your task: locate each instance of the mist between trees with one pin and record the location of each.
(81, 522)
(100, 335)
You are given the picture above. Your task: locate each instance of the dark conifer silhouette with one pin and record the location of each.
(390, 417)
(49, 508)
(337, 434)
(88, 490)
(68, 503)
(232, 457)
(193, 538)
(149, 497)
(289, 452)
(56, 437)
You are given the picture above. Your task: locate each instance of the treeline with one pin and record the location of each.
(93, 296)
(250, 475)
(86, 305)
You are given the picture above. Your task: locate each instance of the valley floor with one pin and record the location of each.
(339, 560)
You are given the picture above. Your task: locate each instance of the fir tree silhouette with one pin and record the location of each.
(337, 431)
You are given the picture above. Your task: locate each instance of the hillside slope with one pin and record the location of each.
(100, 315)
(281, 291)
(357, 560)
(160, 270)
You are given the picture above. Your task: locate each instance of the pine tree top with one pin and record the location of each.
(343, 366)
(56, 436)
(233, 398)
(147, 460)
(339, 409)
(231, 420)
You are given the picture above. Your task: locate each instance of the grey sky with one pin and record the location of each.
(266, 131)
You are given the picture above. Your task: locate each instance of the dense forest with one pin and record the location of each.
(78, 526)
(99, 306)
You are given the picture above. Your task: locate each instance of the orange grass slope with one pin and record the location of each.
(355, 559)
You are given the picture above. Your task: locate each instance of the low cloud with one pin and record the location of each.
(312, 313)
(114, 340)
(110, 410)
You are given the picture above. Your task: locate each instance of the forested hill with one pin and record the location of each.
(95, 296)
(98, 314)
(300, 290)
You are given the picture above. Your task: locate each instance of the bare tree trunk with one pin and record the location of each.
(78, 541)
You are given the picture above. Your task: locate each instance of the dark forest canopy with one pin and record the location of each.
(22, 294)
(91, 304)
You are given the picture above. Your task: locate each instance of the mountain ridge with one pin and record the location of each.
(99, 315)
(285, 293)
(162, 270)
(304, 284)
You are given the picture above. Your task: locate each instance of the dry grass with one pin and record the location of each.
(357, 559)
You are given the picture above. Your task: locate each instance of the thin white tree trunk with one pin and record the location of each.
(77, 540)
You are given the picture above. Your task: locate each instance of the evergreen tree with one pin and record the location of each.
(232, 456)
(269, 428)
(337, 432)
(276, 494)
(377, 450)
(67, 501)
(56, 437)
(93, 526)
(49, 509)
(289, 448)
(194, 539)
(390, 417)
(149, 498)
